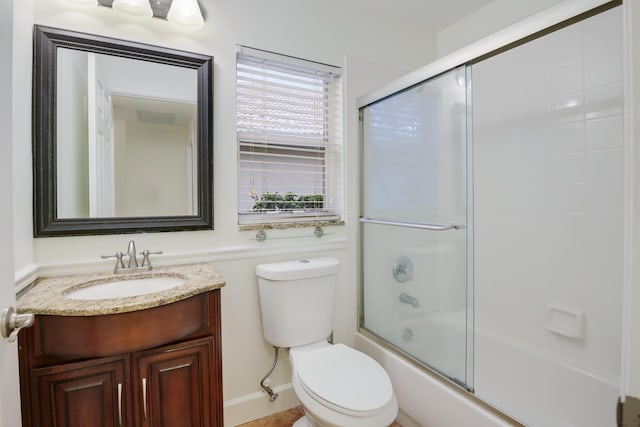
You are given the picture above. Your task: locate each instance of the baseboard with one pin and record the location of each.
(257, 405)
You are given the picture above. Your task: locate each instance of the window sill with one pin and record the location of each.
(287, 225)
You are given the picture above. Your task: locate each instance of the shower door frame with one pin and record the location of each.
(467, 384)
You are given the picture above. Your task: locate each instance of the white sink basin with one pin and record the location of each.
(126, 288)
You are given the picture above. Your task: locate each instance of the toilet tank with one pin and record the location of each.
(296, 300)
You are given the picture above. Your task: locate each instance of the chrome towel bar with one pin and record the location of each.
(421, 226)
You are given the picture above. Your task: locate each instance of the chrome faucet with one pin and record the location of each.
(131, 253)
(132, 262)
(408, 299)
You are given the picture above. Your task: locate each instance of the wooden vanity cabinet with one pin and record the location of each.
(175, 382)
(172, 387)
(81, 394)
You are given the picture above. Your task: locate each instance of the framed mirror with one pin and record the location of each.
(122, 136)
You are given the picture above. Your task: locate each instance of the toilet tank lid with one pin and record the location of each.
(298, 269)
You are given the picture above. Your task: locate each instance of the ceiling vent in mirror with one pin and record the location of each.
(156, 117)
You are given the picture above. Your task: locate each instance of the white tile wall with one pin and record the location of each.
(548, 190)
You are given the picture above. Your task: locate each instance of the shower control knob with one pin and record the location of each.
(402, 269)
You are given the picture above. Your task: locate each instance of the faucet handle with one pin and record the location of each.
(145, 256)
(118, 256)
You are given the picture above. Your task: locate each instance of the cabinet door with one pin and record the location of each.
(173, 385)
(91, 393)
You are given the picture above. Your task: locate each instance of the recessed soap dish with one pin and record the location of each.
(565, 322)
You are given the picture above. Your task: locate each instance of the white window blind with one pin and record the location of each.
(289, 128)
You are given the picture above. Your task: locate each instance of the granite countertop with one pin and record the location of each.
(48, 295)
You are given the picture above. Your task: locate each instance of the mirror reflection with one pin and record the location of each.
(126, 137)
(123, 136)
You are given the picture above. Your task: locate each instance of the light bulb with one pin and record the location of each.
(185, 12)
(133, 7)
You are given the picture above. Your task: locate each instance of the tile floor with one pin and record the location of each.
(283, 419)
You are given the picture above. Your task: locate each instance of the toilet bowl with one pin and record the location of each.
(337, 385)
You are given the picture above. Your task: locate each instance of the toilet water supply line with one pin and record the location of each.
(272, 396)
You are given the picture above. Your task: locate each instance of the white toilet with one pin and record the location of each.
(337, 385)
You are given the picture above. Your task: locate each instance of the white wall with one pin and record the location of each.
(493, 17)
(22, 174)
(227, 25)
(329, 31)
(72, 133)
(133, 77)
(153, 170)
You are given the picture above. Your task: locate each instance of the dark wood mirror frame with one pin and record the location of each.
(46, 222)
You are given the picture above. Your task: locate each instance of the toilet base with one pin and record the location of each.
(302, 422)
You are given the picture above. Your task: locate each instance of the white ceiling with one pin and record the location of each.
(436, 14)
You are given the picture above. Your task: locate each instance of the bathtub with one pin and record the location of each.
(536, 388)
(437, 339)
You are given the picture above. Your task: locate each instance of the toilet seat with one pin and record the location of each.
(344, 379)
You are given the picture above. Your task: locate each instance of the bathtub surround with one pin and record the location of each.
(557, 132)
(428, 399)
(547, 189)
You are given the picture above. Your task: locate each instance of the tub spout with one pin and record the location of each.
(408, 299)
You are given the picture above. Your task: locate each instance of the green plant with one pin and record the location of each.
(272, 202)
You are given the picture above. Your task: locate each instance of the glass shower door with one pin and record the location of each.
(414, 231)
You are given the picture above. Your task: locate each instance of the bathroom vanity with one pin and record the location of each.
(144, 360)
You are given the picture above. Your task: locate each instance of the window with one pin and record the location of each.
(289, 128)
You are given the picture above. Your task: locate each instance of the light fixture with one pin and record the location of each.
(134, 7)
(182, 12)
(185, 12)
